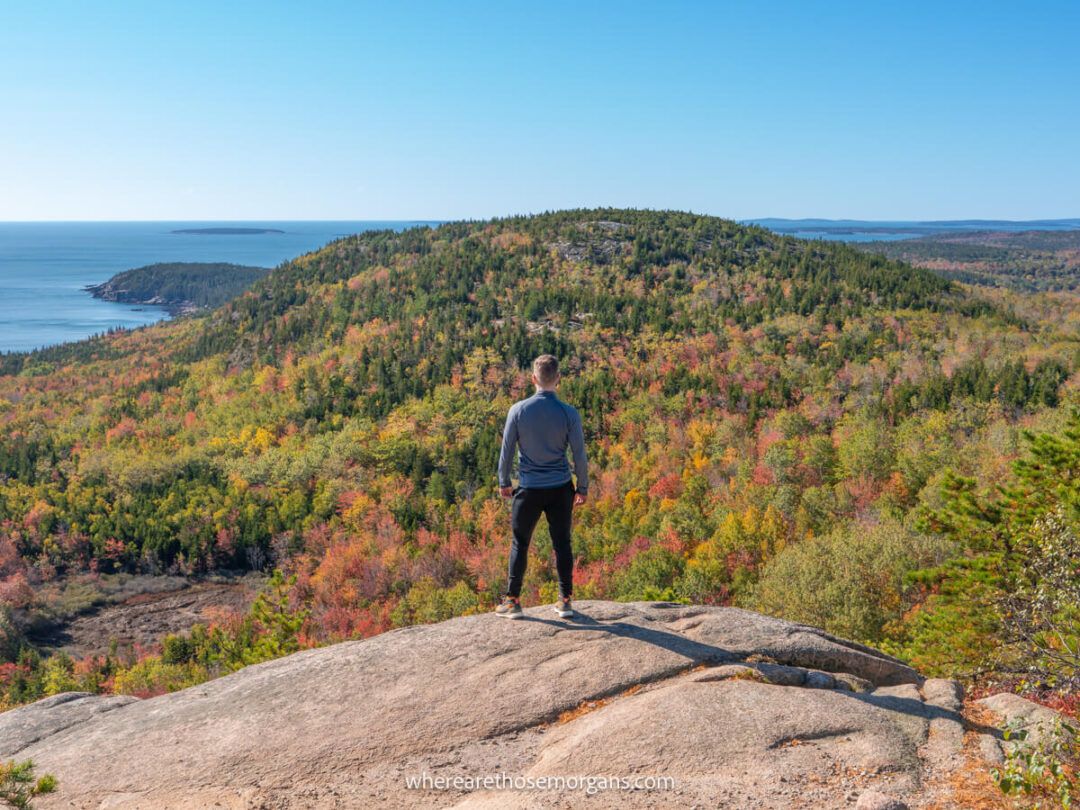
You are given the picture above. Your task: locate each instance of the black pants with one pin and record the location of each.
(557, 504)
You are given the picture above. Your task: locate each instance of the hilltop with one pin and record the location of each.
(739, 709)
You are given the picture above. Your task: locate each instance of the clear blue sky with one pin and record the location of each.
(312, 110)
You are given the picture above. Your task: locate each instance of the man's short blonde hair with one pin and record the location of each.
(546, 369)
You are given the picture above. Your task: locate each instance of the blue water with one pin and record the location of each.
(45, 265)
(849, 236)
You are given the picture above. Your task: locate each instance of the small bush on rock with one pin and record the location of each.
(18, 786)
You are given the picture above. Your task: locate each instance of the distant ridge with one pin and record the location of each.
(1020, 224)
(914, 227)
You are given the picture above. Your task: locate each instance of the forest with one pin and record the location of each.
(179, 284)
(1030, 261)
(797, 427)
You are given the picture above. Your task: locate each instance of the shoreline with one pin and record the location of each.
(105, 291)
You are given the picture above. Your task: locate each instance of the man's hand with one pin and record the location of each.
(506, 492)
(579, 498)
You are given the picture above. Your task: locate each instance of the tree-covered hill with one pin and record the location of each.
(180, 286)
(755, 407)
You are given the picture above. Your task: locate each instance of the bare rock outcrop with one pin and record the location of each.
(1037, 721)
(735, 708)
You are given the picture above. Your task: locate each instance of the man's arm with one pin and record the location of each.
(506, 455)
(581, 463)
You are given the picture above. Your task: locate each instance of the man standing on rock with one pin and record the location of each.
(542, 427)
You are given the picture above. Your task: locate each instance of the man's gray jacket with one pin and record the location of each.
(542, 427)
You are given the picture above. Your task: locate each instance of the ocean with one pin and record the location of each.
(44, 267)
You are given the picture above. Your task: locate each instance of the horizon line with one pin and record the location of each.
(425, 220)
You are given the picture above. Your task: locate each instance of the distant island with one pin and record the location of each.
(226, 231)
(179, 287)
